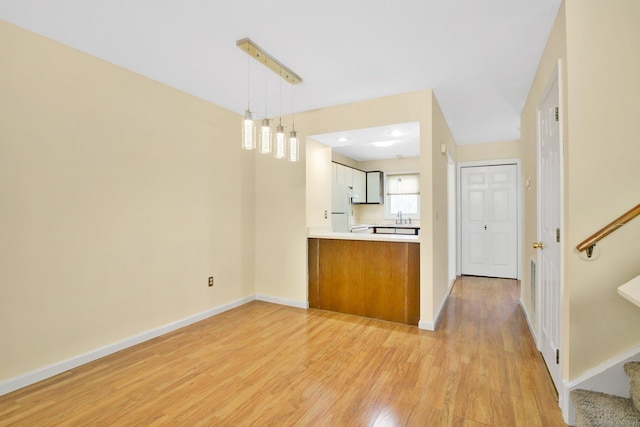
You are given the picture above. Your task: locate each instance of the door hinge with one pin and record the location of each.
(557, 235)
(557, 115)
(557, 356)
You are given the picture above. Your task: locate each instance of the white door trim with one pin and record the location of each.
(452, 220)
(496, 162)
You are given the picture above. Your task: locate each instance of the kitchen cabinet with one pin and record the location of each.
(339, 172)
(354, 179)
(373, 279)
(348, 177)
(359, 186)
(342, 174)
(375, 187)
(339, 177)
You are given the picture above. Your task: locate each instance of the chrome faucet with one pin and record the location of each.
(399, 221)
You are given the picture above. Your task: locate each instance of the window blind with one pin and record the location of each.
(403, 184)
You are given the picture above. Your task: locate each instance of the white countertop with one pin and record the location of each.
(326, 234)
(631, 290)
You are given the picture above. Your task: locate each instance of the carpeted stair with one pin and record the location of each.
(595, 409)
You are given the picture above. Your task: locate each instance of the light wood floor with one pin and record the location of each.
(268, 365)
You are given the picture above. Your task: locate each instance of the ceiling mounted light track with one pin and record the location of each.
(260, 55)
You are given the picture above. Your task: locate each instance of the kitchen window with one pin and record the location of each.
(403, 195)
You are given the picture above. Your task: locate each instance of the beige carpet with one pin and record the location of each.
(595, 409)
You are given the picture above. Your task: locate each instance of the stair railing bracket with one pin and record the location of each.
(589, 250)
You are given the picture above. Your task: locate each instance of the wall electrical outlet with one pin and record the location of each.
(210, 281)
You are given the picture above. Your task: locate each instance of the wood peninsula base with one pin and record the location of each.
(367, 278)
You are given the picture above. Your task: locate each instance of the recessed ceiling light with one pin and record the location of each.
(383, 143)
(343, 139)
(396, 133)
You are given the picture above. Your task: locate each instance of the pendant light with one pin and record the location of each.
(280, 149)
(292, 146)
(265, 129)
(248, 131)
(283, 148)
(265, 137)
(248, 126)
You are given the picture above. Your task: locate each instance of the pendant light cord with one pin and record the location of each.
(248, 81)
(265, 88)
(280, 112)
(293, 106)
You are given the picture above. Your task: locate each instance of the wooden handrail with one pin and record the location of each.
(591, 241)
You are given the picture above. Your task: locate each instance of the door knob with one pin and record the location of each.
(538, 245)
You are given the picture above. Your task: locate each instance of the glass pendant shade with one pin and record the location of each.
(293, 146)
(280, 149)
(265, 137)
(248, 132)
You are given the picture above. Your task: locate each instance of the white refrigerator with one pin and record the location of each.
(340, 208)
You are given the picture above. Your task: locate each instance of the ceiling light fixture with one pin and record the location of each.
(396, 133)
(282, 148)
(384, 143)
(248, 126)
(265, 129)
(292, 153)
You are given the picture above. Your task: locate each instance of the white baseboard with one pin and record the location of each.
(49, 371)
(427, 326)
(532, 329)
(563, 391)
(283, 301)
(431, 326)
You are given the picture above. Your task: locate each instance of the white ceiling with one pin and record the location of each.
(478, 56)
(375, 143)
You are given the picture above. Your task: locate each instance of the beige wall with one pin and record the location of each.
(119, 195)
(488, 151)
(440, 213)
(603, 178)
(600, 60)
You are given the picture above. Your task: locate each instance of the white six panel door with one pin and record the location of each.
(489, 212)
(549, 257)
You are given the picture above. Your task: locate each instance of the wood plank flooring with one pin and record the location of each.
(268, 365)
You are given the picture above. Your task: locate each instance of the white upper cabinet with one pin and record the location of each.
(354, 179)
(359, 186)
(375, 187)
(341, 173)
(348, 177)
